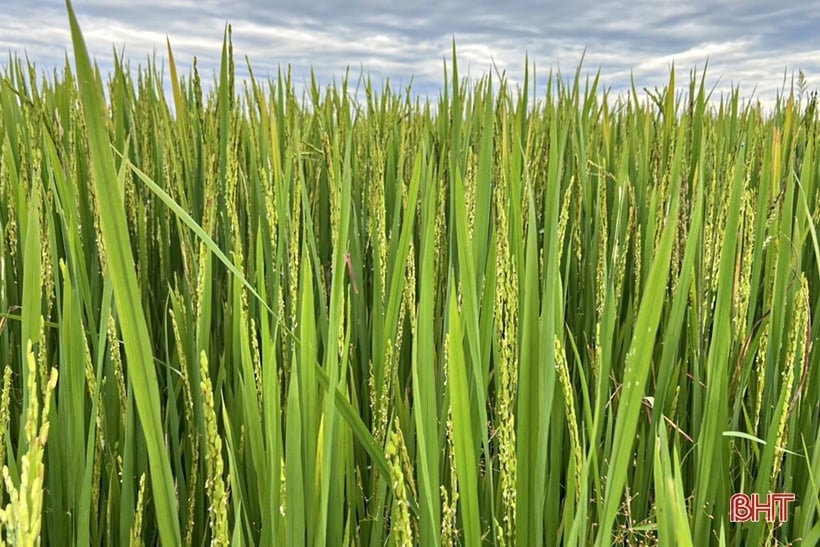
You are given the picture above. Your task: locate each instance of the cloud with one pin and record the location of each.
(749, 43)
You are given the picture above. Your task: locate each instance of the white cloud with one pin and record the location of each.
(750, 43)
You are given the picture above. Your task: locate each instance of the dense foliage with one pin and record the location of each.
(241, 316)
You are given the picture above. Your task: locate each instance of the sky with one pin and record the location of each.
(751, 44)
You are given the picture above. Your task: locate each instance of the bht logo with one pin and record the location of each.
(745, 508)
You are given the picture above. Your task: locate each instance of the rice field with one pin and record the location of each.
(233, 314)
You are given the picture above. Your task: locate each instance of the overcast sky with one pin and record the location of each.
(750, 43)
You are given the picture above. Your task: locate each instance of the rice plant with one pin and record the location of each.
(238, 315)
